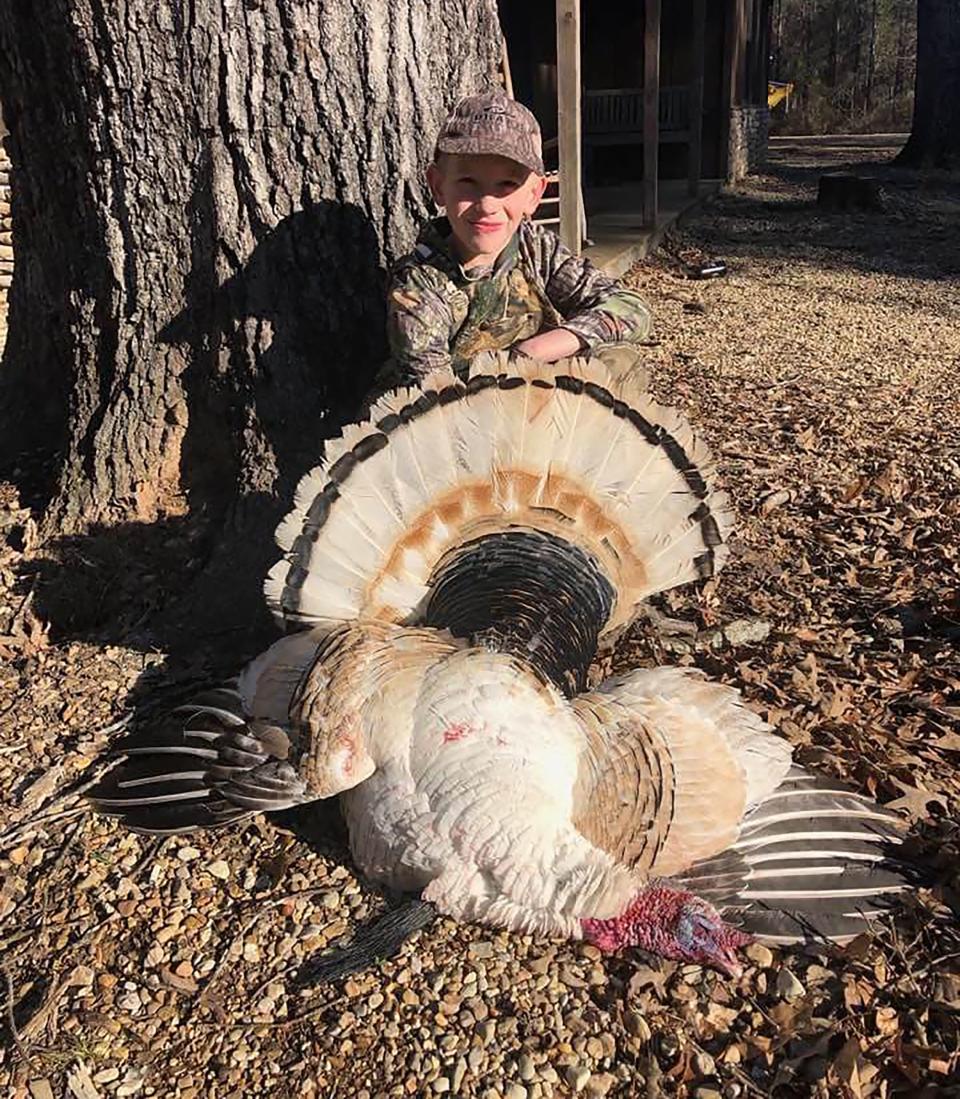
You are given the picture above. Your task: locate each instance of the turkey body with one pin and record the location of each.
(447, 577)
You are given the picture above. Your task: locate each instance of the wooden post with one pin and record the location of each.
(695, 155)
(568, 120)
(733, 75)
(505, 67)
(651, 110)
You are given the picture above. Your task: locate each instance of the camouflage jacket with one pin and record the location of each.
(440, 315)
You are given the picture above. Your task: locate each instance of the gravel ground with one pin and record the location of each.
(825, 370)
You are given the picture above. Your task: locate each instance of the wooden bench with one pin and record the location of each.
(614, 116)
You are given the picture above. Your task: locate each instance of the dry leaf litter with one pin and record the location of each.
(825, 371)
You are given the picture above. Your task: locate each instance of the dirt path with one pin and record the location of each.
(825, 370)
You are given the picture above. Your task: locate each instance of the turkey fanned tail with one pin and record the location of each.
(203, 765)
(814, 860)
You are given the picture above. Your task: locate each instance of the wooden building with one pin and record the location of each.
(639, 92)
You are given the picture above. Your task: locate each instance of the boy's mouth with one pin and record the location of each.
(486, 226)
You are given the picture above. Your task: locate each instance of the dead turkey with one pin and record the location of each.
(447, 575)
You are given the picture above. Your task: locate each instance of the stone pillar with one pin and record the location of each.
(749, 130)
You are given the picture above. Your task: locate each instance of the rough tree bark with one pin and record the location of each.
(935, 138)
(205, 196)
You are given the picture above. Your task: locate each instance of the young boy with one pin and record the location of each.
(484, 277)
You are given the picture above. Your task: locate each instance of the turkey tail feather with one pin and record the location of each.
(203, 765)
(444, 465)
(814, 860)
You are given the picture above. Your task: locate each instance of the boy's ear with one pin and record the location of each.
(536, 193)
(435, 183)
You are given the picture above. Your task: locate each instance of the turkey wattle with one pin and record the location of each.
(450, 570)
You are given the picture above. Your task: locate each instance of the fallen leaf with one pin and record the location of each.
(915, 799)
(80, 1083)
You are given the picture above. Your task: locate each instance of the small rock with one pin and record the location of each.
(130, 1001)
(483, 949)
(515, 1091)
(188, 854)
(705, 1064)
(705, 1091)
(760, 955)
(526, 1067)
(81, 977)
(331, 899)
(817, 975)
(18, 855)
(459, 1071)
(571, 978)
(219, 869)
(107, 1075)
(486, 1031)
(600, 1084)
(637, 1025)
(577, 1077)
(747, 631)
(788, 987)
(441, 1084)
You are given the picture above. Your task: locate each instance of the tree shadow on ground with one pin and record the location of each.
(914, 233)
(280, 356)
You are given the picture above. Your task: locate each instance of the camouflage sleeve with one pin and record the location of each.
(595, 307)
(419, 325)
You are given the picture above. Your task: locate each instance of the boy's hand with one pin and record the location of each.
(548, 347)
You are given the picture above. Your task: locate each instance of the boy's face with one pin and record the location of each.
(485, 198)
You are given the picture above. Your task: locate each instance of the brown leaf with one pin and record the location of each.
(643, 977)
(807, 439)
(853, 490)
(850, 1068)
(774, 500)
(914, 799)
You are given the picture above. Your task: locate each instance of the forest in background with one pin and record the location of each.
(853, 64)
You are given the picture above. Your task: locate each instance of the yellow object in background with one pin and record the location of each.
(777, 92)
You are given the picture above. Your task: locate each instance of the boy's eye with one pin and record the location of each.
(509, 184)
(467, 179)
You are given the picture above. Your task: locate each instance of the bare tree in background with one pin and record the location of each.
(851, 61)
(935, 137)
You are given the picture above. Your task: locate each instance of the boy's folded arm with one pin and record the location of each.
(419, 328)
(595, 307)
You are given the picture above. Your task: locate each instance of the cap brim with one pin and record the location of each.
(473, 146)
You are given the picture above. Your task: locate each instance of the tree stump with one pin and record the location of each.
(843, 191)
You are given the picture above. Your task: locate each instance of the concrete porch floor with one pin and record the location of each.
(615, 220)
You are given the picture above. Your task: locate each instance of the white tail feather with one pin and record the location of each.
(629, 485)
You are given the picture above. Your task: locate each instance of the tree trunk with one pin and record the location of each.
(935, 138)
(871, 59)
(899, 61)
(205, 196)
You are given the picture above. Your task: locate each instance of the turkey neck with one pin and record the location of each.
(527, 593)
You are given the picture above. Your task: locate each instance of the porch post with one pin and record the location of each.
(734, 41)
(651, 109)
(568, 120)
(695, 155)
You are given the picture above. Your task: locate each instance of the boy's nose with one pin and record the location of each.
(489, 204)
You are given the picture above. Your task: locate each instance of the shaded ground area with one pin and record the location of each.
(825, 371)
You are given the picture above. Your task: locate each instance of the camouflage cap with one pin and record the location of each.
(494, 125)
